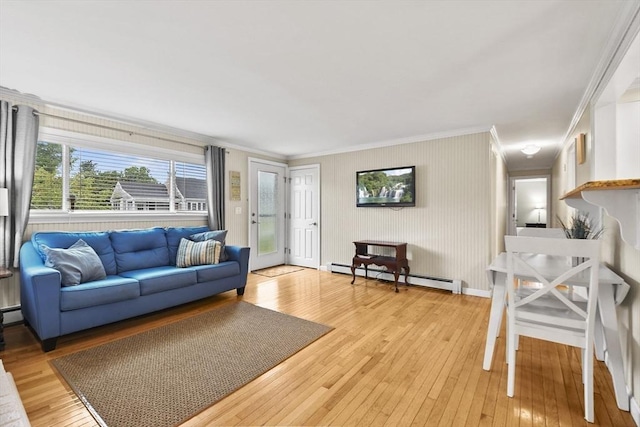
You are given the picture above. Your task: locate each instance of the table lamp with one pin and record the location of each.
(539, 210)
(4, 202)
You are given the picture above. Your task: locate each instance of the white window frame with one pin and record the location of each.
(77, 139)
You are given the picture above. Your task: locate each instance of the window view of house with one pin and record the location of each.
(106, 180)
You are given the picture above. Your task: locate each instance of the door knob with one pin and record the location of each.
(314, 223)
(253, 222)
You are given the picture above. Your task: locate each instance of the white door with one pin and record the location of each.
(304, 225)
(266, 213)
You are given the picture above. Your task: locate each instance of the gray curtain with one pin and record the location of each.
(18, 142)
(214, 161)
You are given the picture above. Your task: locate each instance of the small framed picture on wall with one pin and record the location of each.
(580, 149)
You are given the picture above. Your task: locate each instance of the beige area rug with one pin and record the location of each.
(165, 376)
(278, 270)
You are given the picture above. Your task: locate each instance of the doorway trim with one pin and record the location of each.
(511, 228)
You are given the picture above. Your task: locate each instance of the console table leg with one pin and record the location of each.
(353, 273)
(396, 275)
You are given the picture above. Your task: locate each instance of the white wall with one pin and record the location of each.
(451, 230)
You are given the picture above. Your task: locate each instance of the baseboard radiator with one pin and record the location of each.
(12, 316)
(453, 285)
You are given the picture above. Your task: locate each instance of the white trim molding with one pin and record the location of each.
(399, 141)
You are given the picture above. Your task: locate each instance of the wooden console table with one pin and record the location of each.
(394, 264)
(4, 273)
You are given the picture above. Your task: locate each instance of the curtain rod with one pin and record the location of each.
(131, 133)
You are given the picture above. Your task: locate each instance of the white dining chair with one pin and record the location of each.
(549, 312)
(551, 233)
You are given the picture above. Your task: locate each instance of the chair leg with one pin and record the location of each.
(511, 361)
(587, 369)
(506, 347)
(583, 355)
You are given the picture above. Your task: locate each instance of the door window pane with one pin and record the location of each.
(267, 212)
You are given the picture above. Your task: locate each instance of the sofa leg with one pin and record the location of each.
(240, 291)
(49, 344)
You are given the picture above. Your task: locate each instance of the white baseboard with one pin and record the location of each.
(477, 292)
(455, 286)
(634, 408)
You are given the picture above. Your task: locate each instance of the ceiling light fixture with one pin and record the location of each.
(530, 150)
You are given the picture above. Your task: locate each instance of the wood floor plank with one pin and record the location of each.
(411, 358)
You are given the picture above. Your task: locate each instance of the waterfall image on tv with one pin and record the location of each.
(386, 187)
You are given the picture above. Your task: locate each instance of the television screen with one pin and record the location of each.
(386, 187)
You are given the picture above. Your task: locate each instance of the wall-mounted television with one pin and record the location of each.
(391, 187)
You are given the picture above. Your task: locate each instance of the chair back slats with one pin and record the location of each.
(549, 287)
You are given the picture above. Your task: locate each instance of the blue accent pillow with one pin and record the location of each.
(77, 264)
(218, 235)
(98, 240)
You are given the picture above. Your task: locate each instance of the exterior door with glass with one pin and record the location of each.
(266, 213)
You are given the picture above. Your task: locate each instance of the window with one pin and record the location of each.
(47, 177)
(104, 180)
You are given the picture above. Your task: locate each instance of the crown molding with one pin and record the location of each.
(499, 147)
(399, 141)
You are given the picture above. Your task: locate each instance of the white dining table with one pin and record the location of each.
(612, 290)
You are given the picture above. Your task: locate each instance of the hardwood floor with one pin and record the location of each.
(413, 358)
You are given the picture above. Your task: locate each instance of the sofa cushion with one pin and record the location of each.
(175, 234)
(158, 279)
(106, 291)
(198, 253)
(207, 273)
(77, 264)
(139, 249)
(218, 235)
(99, 241)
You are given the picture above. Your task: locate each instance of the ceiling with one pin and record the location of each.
(301, 78)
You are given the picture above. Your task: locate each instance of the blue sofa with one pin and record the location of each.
(141, 277)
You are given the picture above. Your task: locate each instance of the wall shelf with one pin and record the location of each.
(619, 197)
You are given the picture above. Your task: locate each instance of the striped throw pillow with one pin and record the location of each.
(198, 253)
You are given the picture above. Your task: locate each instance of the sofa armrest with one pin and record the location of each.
(39, 293)
(241, 255)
